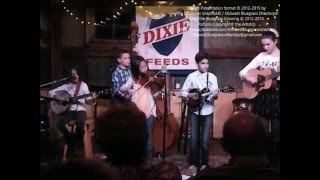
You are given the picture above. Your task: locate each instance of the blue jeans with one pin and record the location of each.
(205, 124)
(150, 122)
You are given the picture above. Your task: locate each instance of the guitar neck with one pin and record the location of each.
(87, 95)
(83, 96)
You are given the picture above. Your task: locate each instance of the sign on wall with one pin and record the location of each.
(168, 36)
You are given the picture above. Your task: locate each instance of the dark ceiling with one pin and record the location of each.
(114, 4)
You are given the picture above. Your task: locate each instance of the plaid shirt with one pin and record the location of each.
(120, 77)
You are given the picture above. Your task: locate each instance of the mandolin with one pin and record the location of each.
(203, 95)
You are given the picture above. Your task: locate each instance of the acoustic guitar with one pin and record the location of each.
(63, 99)
(193, 105)
(265, 80)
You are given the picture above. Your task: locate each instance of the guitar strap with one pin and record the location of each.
(207, 81)
(77, 88)
(200, 85)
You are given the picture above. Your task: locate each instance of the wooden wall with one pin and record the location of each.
(72, 31)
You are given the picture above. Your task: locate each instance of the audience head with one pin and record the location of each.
(81, 169)
(165, 170)
(244, 135)
(121, 132)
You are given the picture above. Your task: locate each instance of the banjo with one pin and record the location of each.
(63, 99)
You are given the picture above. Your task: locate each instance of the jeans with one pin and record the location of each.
(150, 148)
(205, 124)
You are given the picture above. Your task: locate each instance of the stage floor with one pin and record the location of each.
(51, 152)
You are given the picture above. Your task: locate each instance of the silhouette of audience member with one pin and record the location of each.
(121, 133)
(80, 169)
(164, 170)
(245, 139)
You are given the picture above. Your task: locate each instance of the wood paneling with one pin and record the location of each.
(72, 31)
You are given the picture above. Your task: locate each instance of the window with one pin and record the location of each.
(113, 28)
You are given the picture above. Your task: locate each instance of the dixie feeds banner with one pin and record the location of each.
(168, 36)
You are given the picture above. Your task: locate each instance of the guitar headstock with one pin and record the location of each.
(228, 89)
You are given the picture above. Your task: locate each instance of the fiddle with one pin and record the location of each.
(149, 79)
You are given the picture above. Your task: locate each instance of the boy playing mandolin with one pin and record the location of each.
(204, 81)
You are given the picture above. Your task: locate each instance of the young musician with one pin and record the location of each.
(76, 110)
(120, 76)
(200, 79)
(142, 95)
(267, 103)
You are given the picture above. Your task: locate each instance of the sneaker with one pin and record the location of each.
(203, 167)
(100, 156)
(192, 170)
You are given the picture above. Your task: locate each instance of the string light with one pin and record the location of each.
(115, 16)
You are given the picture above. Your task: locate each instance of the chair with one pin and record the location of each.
(87, 137)
(184, 127)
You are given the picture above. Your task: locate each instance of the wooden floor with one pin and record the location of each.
(51, 151)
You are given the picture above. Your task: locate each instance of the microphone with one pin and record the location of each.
(69, 79)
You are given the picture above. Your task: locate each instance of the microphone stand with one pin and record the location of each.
(54, 82)
(165, 116)
(199, 134)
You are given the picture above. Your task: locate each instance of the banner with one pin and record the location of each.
(168, 35)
